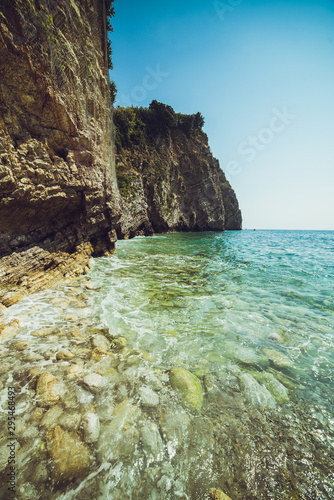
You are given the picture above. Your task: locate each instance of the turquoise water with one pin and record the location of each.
(201, 296)
(249, 313)
(217, 304)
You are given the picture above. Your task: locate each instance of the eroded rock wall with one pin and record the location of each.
(173, 183)
(58, 191)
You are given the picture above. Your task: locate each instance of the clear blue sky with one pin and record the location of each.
(262, 74)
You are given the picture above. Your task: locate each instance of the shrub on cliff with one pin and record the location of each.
(129, 128)
(140, 125)
(161, 118)
(110, 11)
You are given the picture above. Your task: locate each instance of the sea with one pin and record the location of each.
(250, 314)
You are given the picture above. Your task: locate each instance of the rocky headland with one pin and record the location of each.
(167, 175)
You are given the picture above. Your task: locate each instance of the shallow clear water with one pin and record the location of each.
(249, 313)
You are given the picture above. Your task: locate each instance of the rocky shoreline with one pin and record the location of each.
(98, 417)
(77, 406)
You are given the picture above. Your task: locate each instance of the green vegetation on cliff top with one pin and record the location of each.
(139, 126)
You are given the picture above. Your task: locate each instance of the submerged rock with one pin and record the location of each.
(91, 427)
(64, 355)
(101, 331)
(70, 421)
(278, 359)
(40, 474)
(4, 453)
(76, 334)
(47, 392)
(277, 390)
(148, 397)
(75, 371)
(218, 495)
(98, 354)
(151, 441)
(37, 415)
(51, 417)
(21, 346)
(106, 367)
(44, 332)
(174, 427)
(119, 343)
(10, 330)
(247, 356)
(255, 393)
(126, 445)
(93, 382)
(28, 491)
(100, 341)
(283, 379)
(69, 455)
(125, 414)
(276, 337)
(113, 437)
(189, 387)
(4, 368)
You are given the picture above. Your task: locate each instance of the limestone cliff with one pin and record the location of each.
(59, 198)
(58, 192)
(168, 178)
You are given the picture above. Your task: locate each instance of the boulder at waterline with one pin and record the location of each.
(189, 387)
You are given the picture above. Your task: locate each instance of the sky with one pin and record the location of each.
(262, 75)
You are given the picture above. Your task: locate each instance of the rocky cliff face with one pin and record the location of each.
(167, 175)
(59, 199)
(58, 192)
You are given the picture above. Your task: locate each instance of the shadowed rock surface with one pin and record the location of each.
(58, 191)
